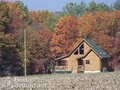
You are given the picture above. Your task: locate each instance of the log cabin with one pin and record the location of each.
(87, 57)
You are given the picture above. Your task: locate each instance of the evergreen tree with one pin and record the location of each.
(117, 5)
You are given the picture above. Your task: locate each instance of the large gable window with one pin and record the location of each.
(81, 49)
(76, 52)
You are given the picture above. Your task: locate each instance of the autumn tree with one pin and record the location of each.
(64, 36)
(23, 11)
(38, 50)
(115, 63)
(43, 19)
(10, 61)
(117, 19)
(99, 26)
(115, 59)
(34, 16)
(17, 18)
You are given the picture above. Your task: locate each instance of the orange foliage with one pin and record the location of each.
(35, 17)
(16, 21)
(99, 26)
(65, 35)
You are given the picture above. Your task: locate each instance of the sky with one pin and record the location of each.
(56, 5)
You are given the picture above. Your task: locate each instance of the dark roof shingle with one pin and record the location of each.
(97, 49)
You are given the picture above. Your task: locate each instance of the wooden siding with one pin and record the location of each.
(95, 62)
(72, 60)
(86, 49)
(72, 64)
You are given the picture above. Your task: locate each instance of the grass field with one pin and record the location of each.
(98, 81)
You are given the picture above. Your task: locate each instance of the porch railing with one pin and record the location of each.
(80, 68)
(60, 67)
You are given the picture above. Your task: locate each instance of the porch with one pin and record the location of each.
(62, 69)
(80, 68)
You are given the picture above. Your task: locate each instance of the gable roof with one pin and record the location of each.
(97, 49)
(101, 53)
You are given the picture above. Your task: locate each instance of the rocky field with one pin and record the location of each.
(98, 81)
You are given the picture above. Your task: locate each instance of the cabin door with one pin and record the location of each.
(80, 66)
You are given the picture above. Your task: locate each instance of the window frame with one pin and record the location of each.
(80, 62)
(87, 61)
(76, 52)
(81, 49)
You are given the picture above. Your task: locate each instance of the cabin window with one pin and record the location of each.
(58, 62)
(64, 63)
(80, 62)
(87, 61)
(81, 49)
(61, 63)
(76, 52)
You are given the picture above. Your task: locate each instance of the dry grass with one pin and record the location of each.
(98, 81)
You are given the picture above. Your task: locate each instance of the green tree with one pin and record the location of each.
(23, 11)
(4, 16)
(43, 19)
(92, 7)
(82, 7)
(77, 10)
(73, 9)
(10, 62)
(103, 7)
(117, 5)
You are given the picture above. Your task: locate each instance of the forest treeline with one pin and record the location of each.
(52, 34)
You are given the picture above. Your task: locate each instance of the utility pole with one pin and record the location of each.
(25, 58)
